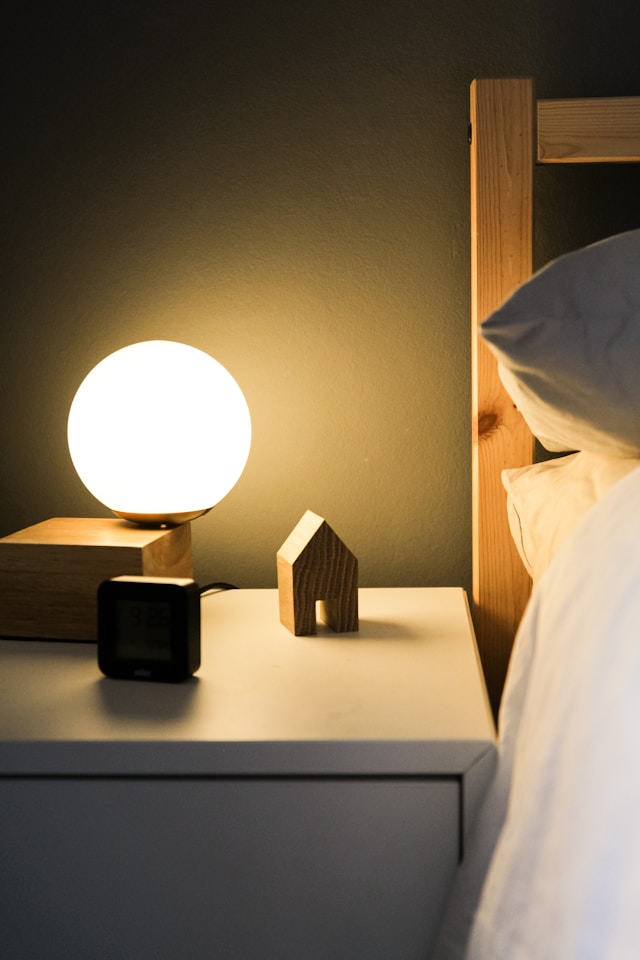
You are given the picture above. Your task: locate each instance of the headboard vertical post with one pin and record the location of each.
(502, 160)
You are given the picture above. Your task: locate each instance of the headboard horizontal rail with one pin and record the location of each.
(600, 130)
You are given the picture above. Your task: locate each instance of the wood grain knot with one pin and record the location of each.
(487, 424)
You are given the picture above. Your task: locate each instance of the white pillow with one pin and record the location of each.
(568, 347)
(547, 500)
(564, 879)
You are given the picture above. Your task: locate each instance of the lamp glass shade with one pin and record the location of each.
(159, 432)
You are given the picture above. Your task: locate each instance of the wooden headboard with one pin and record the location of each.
(510, 131)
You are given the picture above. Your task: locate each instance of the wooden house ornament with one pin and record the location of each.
(315, 565)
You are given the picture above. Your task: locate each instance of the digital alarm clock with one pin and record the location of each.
(149, 628)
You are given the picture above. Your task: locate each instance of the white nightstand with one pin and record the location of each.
(303, 797)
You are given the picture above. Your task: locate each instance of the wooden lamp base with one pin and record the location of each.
(50, 572)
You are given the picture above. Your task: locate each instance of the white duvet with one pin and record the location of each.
(563, 882)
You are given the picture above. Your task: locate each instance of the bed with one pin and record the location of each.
(510, 131)
(552, 868)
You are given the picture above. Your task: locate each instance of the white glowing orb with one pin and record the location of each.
(159, 432)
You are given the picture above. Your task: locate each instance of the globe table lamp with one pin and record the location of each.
(159, 432)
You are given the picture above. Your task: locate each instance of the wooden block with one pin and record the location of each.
(50, 572)
(315, 565)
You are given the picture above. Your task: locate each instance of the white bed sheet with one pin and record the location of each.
(563, 882)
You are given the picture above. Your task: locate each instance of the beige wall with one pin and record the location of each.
(283, 185)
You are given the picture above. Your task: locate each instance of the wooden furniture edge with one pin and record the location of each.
(594, 130)
(502, 136)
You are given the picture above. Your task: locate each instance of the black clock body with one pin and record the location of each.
(149, 628)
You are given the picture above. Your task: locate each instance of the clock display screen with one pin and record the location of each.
(143, 629)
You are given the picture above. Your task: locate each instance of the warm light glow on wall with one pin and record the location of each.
(159, 432)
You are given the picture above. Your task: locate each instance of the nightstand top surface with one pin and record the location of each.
(410, 674)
